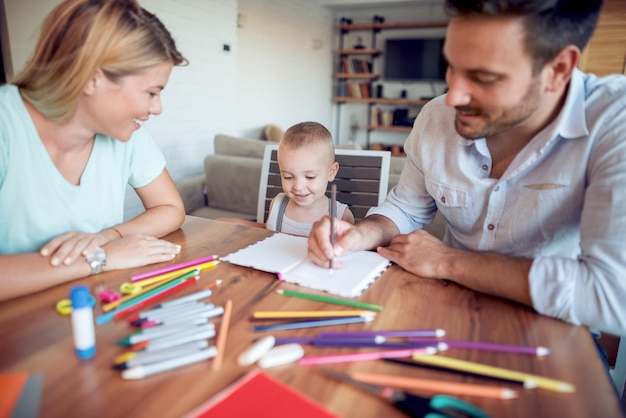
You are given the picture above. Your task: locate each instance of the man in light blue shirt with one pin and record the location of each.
(525, 158)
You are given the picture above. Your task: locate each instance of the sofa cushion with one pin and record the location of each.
(232, 183)
(242, 147)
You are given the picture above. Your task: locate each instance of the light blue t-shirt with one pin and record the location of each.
(38, 204)
(561, 201)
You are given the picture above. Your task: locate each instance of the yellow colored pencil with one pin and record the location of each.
(439, 386)
(145, 287)
(309, 314)
(529, 380)
(166, 276)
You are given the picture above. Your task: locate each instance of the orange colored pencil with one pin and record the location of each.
(221, 337)
(452, 388)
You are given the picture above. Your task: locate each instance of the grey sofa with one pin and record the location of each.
(229, 187)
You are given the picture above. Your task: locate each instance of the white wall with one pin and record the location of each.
(272, 74)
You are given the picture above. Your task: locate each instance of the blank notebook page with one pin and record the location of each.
(286, 255)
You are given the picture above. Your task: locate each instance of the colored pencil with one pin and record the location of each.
(386, 333)
(337, 301)
(439, 386)
(352, 343)
(530, 380)
(104, 318)
(152, 298)
(166, 276)
(311, 340)
(309, 314)
(411, 363)
(372, 355)
(312, 324)
(147, 290)
(221, 337)
(506, 348)
(140, 372)
(174, 267)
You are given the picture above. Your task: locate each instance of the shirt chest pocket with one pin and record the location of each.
(446, 196)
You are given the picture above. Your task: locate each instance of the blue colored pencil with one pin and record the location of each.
(312, 324)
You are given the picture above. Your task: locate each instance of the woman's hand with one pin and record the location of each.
(71, 246)
(138, 250)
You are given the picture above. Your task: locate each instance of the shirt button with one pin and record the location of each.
(484, 167)
(490, 227)
(443, 199)
(496, 189)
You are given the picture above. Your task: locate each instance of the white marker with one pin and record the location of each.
(140, 372)
(256, 351)
(178, 339)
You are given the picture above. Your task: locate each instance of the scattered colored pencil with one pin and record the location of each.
(174, 267)
(506, 348)
(309, 314)
(312, 324)
(386, 333)
(147, 290)
(372, 355)
(530, 380)
(439, 386)
(328, 299)
(221, 337)
(166, 276)
(152, 298)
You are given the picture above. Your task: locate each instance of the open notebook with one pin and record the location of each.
(286, 255)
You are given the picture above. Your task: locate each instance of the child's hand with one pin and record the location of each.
(321, 250)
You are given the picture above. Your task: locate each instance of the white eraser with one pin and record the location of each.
(282, 354)
(256, 351)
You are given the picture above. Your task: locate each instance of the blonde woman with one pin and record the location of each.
(71, 141)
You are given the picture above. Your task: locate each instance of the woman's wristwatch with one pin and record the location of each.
(97, 259)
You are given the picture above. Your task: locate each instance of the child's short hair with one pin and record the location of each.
(306, 134)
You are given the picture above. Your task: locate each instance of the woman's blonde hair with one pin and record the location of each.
(80, 36)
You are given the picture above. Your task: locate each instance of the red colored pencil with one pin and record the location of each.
(155, 297)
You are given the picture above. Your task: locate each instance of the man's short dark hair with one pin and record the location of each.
(551, 25)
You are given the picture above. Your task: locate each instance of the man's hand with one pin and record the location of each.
(419, 253)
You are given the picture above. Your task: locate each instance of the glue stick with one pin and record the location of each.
(82, 322)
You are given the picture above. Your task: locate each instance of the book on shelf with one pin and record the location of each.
(286, 255)
(258, 394)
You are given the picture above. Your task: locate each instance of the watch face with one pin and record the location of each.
(97, 260)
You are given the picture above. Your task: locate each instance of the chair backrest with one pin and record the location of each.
(361, 182)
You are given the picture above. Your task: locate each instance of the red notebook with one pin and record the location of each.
(258, 394)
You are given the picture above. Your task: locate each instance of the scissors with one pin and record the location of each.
(413, 405)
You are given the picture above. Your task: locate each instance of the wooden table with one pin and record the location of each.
(34, 338)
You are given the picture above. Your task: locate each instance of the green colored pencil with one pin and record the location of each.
(368, 306)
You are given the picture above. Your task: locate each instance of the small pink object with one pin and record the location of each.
(108, 296)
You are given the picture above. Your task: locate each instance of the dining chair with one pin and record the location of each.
(361, 181)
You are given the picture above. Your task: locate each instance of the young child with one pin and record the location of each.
(306, 158)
